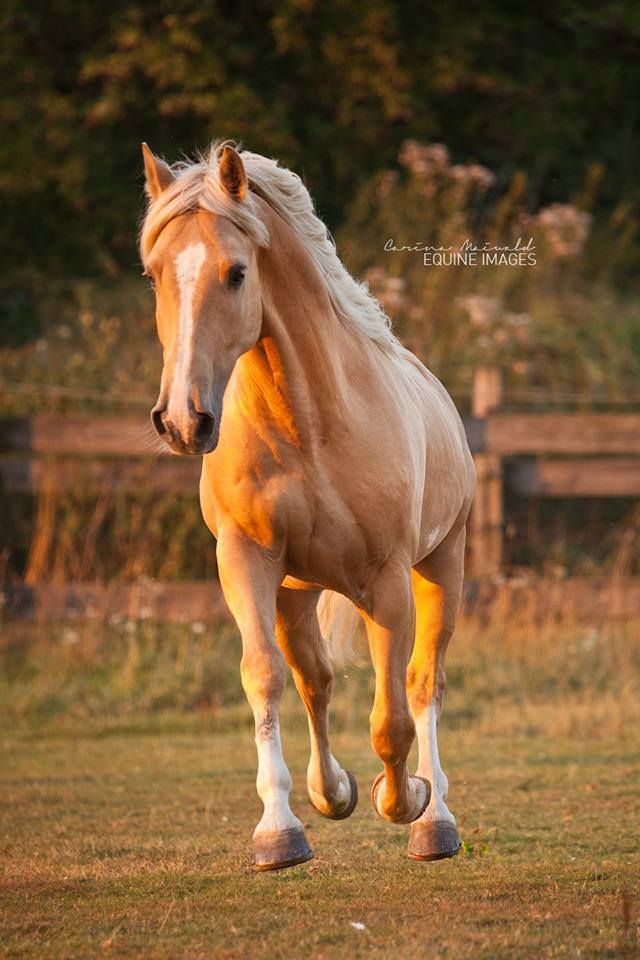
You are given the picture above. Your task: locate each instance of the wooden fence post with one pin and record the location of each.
(486, 522)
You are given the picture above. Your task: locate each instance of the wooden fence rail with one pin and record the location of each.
(589, 600)
(576, 455)
(546, 454)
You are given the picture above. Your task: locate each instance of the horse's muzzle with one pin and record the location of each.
(195, 433)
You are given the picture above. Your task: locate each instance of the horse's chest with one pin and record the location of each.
(320, 536)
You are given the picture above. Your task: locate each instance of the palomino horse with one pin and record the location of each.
(333, 461)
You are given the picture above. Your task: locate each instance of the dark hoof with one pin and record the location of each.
(353, 802)
(433, 841)
(375, 788)
(285, 848)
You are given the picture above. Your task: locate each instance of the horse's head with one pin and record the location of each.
(208, 305)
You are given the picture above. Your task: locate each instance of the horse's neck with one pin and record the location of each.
(295, 375)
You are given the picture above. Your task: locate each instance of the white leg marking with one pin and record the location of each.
(429, 765)
(274, 781)
(188, 264)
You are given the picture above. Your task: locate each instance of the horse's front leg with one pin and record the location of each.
(250, 580)
(332, 790)
(390, 627)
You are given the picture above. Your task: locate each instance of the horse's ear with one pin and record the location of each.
(157, 172)
(233, 179)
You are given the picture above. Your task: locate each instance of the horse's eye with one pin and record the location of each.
(236, 275)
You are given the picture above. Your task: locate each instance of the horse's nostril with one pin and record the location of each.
(205, 426)
(158, 422)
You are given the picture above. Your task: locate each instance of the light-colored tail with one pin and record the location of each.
(339, 620)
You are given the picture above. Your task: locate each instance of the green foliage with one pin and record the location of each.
(329, 88)
(81, 671)
(97, 352)
(562, 325)
(506, 674)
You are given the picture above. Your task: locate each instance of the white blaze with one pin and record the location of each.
(188, 264)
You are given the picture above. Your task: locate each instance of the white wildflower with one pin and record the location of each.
(565, 228)
(422, 160)
(483, 311)
(481, 176)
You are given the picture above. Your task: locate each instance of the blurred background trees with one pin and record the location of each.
(331, 89)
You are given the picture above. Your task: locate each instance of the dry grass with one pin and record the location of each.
(138, 845)
(128, 802)
(504, 676)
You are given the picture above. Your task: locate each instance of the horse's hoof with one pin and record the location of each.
(409, 817)
(435, 840)
(282, 848)
(350, 807)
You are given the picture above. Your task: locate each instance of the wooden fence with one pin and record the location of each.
(589, 600)
(542, 455)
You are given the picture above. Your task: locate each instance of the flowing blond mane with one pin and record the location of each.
(197, 186)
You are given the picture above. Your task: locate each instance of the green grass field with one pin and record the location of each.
(128, 803)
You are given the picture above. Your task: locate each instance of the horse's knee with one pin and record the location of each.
(324, 680)
(314, 681)
(392, 734)
(315, 696)
(263, 675)
(423, 689)
(424, 685)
